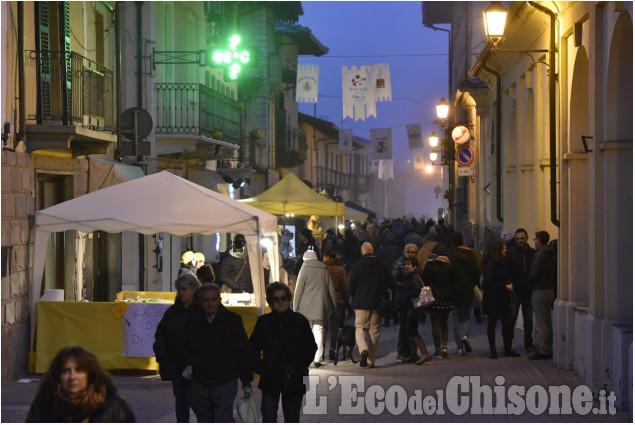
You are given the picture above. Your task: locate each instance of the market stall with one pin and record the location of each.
(156, 203)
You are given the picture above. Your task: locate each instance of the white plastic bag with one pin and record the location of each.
(247, 411)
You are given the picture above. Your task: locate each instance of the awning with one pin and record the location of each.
(209, 179)
(104, 173)
(358, 209)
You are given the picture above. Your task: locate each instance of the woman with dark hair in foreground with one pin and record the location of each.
(77, 389)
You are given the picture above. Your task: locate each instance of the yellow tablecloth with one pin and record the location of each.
(95, 327)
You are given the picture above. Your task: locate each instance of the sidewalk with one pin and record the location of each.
(152, 400)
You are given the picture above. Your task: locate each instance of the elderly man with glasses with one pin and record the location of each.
(399, 274)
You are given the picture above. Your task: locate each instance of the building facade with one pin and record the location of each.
(553, 132)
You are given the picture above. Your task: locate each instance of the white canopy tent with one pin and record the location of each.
(159, 202)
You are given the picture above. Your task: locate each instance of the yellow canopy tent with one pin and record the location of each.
(291, 195)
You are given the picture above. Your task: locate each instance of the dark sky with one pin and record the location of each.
(359, 33)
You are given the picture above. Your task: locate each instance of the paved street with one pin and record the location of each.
(152, 400)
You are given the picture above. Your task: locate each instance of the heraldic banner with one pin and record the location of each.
(381, 142)
(358, 92)
(307, 84)
(385, 170)
(418, 159)
(346, 141)
(414, 136)
(383, 87)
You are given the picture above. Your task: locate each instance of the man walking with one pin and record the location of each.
(541, 281)
(218, 352)
(368, 282)
(467, 276)
(519, 258)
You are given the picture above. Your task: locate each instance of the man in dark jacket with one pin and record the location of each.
(541, 281)
(234, 270)
(368, 283)
(218, 351)
(467, 276)
(519, 258)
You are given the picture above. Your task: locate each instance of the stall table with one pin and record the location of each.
(96, 327)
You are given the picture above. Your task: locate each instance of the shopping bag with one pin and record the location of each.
(247, 411)
(424, 299)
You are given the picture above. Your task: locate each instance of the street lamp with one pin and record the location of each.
(494, 18)
(443, 110)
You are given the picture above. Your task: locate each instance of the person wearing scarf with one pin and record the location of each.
(77, 389)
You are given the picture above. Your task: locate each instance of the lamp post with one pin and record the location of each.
(447, 151)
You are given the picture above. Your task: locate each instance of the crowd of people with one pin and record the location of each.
(374, 272)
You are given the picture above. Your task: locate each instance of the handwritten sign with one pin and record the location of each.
(139, 326)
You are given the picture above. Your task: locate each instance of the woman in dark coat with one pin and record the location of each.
(77, 389)
(169, 342)
(496, 292)
(412, 289)
(282, 347)
(439, 275)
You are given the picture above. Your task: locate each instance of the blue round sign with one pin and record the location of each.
(465, 156)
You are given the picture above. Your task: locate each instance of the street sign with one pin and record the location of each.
(465, 156)
(466, 171)
(461, 134)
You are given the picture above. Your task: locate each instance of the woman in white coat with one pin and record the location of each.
(314, 298)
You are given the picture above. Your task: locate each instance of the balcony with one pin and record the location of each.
(339, 180)
(75, 108)
(195, 112)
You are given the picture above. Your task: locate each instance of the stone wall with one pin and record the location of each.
(19, 171)
(18, 204)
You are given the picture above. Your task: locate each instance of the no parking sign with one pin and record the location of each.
(465, 156)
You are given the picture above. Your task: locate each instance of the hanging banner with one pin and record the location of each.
(414, 136)
(381, 78)
(346, 141)
(358, 93)
(381, 142)
(385, 170)
(306, 87)
(418, 160)
(374, 166)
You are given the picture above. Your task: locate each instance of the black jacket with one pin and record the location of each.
(219, 351)
(519, 265)
(495, 294)
(283, 340)
(412, 289)
(368, 282)
(440, 276)
(170, 339)
(467, 276)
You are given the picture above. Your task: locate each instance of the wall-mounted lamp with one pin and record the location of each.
(433, 156)
(443, 110)
(433, 140)
(494, 18)
(586, 147)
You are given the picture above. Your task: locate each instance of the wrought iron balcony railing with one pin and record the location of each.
(72, 90)
(195, 109)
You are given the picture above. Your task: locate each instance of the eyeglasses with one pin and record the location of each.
(411, 252)
(283, 299)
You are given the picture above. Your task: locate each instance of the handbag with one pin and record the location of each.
(425, 298)
(478, 297)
